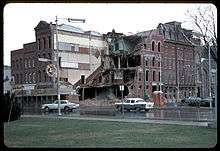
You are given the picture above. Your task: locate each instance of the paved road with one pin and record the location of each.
(171, 115)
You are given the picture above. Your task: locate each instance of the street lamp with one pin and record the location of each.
(210, 93)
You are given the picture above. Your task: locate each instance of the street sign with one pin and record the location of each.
(121, 87)
(51, 70)
(44, 59)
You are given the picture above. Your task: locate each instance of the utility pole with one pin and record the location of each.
(57, 57)
(210, 82)
(58, 76)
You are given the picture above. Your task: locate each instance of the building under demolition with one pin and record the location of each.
(159, 59)
(95, 65)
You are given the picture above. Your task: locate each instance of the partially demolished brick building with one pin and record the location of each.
(154, 60)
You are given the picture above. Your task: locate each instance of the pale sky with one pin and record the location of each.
(20, 19)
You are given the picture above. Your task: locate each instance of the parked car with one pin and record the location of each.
(64, 105)
(192, 99)
(134, 104)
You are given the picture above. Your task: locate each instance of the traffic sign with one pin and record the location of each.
(121, 87)
(51, 70)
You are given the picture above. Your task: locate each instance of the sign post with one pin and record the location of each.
(122, 89)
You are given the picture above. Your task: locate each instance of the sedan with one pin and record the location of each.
(64, 105)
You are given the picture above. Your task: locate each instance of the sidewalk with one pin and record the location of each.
(191, 123)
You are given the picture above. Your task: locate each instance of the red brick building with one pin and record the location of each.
(147, 61)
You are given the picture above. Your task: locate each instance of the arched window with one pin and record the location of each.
(153, 43)
(158, 46)
(153, 61)
(154, 75)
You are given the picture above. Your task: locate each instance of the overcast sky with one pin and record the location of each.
(20, 19)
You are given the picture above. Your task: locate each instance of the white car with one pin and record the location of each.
(135, 104)
(64, 105)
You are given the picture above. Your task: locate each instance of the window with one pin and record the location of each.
(26, 78)
(29, 63)
(21, 78)
(25, 63)
(127, 101)
(140, 86)
(44, 55)
(132, 101)
(76, 47)
(49, 41)
(49, 56)
(72, 47)
(153, 61)
(116, 46)
(158, 63)
(153, 75)
(30, 78)
(146, 63)
(139, 76)
(158, 47)
(39, 44)
(44, 41)
(153, 43)
(44, 75)
(145, 46)
(39, 76)
(17, 75)
(146, 76)
(21, 63)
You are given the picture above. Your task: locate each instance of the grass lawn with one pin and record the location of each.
(65, 133)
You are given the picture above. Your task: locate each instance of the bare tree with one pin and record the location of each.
(204, 20)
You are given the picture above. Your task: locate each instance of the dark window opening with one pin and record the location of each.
(153, 61)
(83, 79)
(154, 88)
(44, 41)
(146, 76)
(49, 55)
(49, 41)
(158, 46)
(139, 76)
(153, 75)
(145, 46)
(153, 44)
(146, 63)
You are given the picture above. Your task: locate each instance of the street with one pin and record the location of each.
(176, 114)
